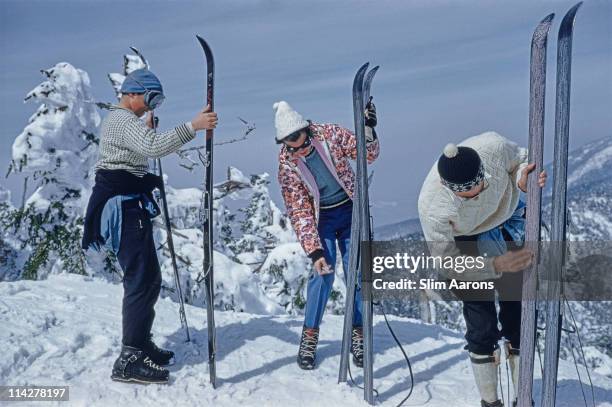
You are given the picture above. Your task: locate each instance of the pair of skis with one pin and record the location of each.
(360, 233)
(559, 209)
(207, 216)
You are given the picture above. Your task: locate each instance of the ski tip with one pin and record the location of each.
(567, 23)
(207, 50)
(370, 77)
(358, 81)
(541, 32)
(548, 19)
(202, 41)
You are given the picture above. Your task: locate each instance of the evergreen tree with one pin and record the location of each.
(56, 150)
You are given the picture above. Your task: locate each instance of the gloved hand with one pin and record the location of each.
(370, 114)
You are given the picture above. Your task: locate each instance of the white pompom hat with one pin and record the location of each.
(287, 120)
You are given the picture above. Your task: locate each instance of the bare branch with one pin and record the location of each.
(186, 153)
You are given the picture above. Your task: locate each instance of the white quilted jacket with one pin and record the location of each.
(444, 215)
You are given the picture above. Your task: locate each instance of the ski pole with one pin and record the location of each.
(164, 202)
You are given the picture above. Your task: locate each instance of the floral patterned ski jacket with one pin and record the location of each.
(336, 145)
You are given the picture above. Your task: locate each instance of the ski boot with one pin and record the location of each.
(485, 373)
(161, 357)
(133, 365)
(308, 348)
(357, 345)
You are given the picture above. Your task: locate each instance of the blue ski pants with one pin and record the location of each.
(334, 225)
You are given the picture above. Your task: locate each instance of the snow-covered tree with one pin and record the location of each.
(56, 150)
(7, 252)
(262, 225)
(130, 63)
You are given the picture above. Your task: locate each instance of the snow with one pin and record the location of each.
(65, 330)
(235, 175)
(595, 162)
(54, 141)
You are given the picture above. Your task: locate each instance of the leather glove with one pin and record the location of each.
(370, 114)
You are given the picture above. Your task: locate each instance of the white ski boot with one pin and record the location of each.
(485, 373)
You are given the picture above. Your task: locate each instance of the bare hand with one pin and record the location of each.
(205, 119)
(322, 267)
(513, 261)
(522, 184)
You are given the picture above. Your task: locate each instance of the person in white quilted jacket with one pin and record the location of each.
(473, 193)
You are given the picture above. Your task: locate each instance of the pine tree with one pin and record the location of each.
(7, 253)
(56, 150)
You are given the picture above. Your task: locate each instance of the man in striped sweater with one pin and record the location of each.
(120, 210)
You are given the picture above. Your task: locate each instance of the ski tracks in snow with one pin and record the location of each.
(66, 331)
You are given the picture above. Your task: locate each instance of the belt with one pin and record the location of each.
(336, 204)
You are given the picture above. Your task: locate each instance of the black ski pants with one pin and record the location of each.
(481, 317)
(141, 273)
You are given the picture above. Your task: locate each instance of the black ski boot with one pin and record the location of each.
(133, 365)
(161, 357)
(308, 348)
(497, 403)
(357, 345)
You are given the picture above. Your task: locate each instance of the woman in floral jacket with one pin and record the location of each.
(317, 184)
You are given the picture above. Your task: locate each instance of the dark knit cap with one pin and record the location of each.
(460, 168)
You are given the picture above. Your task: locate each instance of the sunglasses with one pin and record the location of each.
(152, 98)
(307, 142)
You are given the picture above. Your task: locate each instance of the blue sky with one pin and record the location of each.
(449, 70)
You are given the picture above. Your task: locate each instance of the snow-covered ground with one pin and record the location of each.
(66, 331)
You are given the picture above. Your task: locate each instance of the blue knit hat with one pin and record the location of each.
(139, 81)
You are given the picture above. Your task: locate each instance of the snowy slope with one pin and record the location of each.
(589, 191)
(398, 230)
(65, 331)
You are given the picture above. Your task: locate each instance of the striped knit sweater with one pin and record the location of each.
(126, 142)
